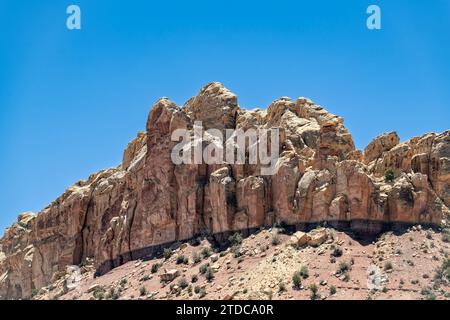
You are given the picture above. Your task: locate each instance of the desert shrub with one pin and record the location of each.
(442, 273)
(429, 295)
(304, 272)
(196, 258)
(203, 268)
(99, 293)
(281, 287)
(276, 240)
(123, 282)
(445, 235)
(183, 283)
(113, 294)
(34, 293)
(388, 266)
(236, 250)
(389, 175)
(337, 252)
(167, 253)
(297, 280)
(142, 291)
(180, 259)
(344, 267)
(197, 289)
(314, 291)
(446, 269)
(194, 278)
(145, 278)
(202, 293)
(195, 241)
(346, 277)
(206, 252)
(333, 290)
(209, 274)
(155, 267)
(235, 239)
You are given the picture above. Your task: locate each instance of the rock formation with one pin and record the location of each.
(148, 202)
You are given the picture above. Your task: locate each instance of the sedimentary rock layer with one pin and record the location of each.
(122, 213)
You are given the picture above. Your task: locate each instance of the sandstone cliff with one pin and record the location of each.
(131, 211)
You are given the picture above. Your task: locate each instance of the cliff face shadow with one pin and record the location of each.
(362, 231)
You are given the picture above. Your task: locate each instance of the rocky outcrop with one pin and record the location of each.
(379, 145)
(149, 202)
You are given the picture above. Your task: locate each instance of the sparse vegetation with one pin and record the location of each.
(34, 293)
(297, 280)
(155, 267)
(389, 175)
(346, 277)
(281, 287)
(442, 273)
(445, 235)
(99, 293)
(194, 278)
(202, 293)
(429, 295)
(204, 268)
(209, 274)
(142, 291)
(235, 239)
(276, 240)
(196, 258)
(337, 252)
(304, 272)
(112, 294)
(145, 278)
(167, 253)
(333, 290)
(344, 267)
(181, 259)
(388, 266)
(183, 283)
(314, 291)
(236, 250)
(206, 252)
(123, 282)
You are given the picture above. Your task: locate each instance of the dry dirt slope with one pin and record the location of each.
(410, 265)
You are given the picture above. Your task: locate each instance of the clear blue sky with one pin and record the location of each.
(71, 100)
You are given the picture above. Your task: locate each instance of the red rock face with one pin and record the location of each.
(127, 212)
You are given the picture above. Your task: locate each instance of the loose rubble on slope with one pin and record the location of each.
(413, 265)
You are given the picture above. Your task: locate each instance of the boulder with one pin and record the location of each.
(317, 237)
(299, 239)
(169, 275)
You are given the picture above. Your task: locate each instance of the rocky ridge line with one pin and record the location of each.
(131, 211)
